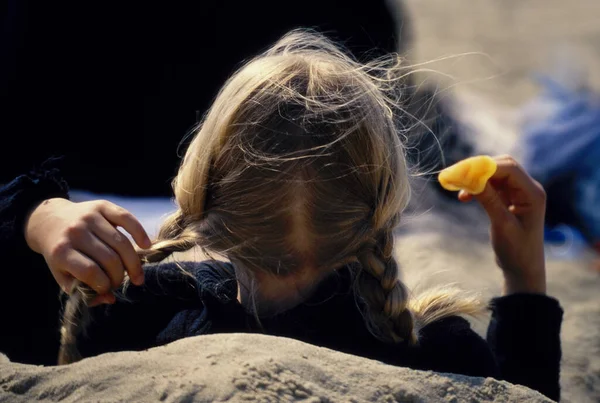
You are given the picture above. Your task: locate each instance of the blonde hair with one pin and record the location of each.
(299, 164)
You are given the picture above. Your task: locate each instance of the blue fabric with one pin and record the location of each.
(566, 143)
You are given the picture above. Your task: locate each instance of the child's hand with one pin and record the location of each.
(516, 205)
(81, 241)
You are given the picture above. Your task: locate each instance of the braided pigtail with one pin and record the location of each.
(75, 319)
(173, 236)
(387, 314)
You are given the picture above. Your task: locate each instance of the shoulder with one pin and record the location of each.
(180, 278)
(451, 345)
(170, 305)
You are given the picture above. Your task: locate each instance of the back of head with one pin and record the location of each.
(298, 166)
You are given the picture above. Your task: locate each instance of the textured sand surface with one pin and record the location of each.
(236, 368)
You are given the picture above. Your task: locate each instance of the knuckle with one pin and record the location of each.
(511, 162)
(112, 260)
(101, 287)
(60, 248)
(75, 229)
(119, 238)
(89, 217)
(508, 160)
(540, 192)
(94, 277)
(489, 198)
(123, 214)
(122, 241)
(99, 204)
(88, 271)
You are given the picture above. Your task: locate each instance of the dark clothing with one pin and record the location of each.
(523, 343)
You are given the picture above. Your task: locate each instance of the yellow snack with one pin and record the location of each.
(470, 174)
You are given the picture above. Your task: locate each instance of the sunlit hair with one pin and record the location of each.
(299, 165)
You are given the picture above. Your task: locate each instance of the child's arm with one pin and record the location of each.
(18, 198)
(524, 333)
(516, 206)
(29, 301)
(36, 216)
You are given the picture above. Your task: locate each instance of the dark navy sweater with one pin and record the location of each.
(522, 346)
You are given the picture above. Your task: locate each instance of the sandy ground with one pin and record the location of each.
(225, 369)
(493, 46)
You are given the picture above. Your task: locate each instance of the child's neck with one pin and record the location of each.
(270, 294)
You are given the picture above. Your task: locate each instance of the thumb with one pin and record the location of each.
(493, 204)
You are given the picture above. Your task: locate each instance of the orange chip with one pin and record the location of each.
(470, 174)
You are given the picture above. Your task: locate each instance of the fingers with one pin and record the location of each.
(493, 203)
(465, 196)
(519, 191)
(103, 299)
(119, 217)
(84, 269)
(104, 256)
(119, 243)
(65, 281)
(517, 178)
(527, 198)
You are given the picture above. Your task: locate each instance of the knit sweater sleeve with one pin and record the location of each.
(26, 280)
(524, 334)
(17, 199)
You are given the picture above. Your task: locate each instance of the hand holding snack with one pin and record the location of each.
(516, 205)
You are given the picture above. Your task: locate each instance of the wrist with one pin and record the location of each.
(32, 223)
(27, 232)
(515, 284)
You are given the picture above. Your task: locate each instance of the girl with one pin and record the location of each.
(297, 179)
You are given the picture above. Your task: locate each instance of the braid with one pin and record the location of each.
(173, 237)
(386, 297)
(75, 320)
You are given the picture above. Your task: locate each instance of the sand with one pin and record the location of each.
(232, 368)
